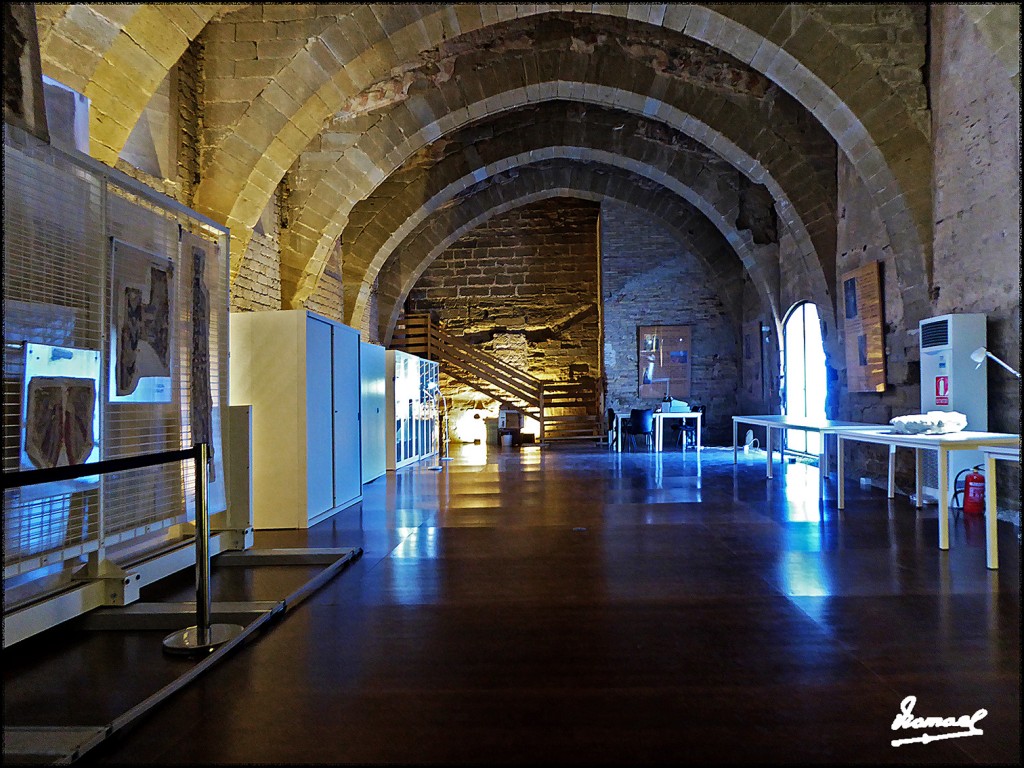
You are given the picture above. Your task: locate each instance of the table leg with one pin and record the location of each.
(768, 440)
(943, 499)
(660, 437)
(822, 465)
(892, 471)
(991, 511)
(735, 439)
(699, 417)
(839, 473)
(618, 433)
(918, 478)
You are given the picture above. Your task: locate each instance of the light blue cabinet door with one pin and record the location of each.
(319, 418)
(348, 484)
(373, 403)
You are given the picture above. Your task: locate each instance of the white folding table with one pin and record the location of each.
(659, 425)
(942, 444)
(992, 454)
(778, 422)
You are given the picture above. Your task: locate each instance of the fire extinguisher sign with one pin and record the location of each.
(942, 390)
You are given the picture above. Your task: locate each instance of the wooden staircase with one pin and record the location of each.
(565, 410)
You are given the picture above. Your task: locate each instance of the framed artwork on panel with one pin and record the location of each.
(663, 361)
(863, 328)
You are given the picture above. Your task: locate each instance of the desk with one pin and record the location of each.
(943, 444)
(659, 426)
(992, 454)
(822, 426)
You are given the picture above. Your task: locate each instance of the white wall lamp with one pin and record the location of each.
(981, 353)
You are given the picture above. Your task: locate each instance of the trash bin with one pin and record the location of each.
(491, 431)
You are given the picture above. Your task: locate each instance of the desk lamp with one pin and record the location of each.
(981, 353)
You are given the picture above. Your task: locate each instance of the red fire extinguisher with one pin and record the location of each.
(974, 493)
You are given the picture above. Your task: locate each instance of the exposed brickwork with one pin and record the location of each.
(191, 97)
(257, 286)
(509, 282)
(649, 278)
(327, 298)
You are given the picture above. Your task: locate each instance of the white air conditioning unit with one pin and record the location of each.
(951, 381)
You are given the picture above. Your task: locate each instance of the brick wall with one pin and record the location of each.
(524, 286)
(257, 286)
(648, 278)
(326, 298)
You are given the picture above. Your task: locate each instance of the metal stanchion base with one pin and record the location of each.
(186, 641)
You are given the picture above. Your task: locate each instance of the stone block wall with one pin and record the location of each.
(649, 278)
(524, 286)
(977, 238)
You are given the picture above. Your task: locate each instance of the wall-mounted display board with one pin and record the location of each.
(663, 361)
(863, 328)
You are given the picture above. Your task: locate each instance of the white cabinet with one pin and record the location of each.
(300, 373)
(412, 401)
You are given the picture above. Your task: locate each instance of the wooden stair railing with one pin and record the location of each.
(555, 405)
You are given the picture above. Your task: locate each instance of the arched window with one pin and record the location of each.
(803, 374)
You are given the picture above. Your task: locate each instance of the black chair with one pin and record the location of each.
(641, 422)
(610, 427)
(689, 428)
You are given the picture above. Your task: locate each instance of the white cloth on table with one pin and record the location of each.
(931, 423)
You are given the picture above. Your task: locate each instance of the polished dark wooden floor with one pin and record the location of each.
(572, 605)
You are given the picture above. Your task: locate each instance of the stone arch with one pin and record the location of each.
(428, 182)
(723, 221)
(319, 225)
(117, 56)
(791, 44)
(783, 42)
(541, 180)
(631, 103)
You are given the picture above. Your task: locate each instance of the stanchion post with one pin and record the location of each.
(204, 636)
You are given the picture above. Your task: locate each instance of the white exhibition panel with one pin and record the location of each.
(373, 391)
(300, 374)
(412, 412)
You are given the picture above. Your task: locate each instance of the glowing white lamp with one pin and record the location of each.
(981, 353)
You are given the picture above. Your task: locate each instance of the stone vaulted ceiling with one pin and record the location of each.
(398, 127)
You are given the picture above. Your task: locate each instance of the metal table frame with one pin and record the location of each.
(823, 427)
(942, 444)
(659, 427)
(992, 454)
